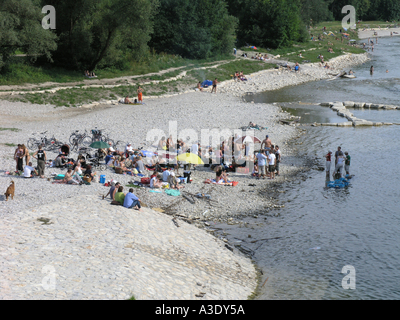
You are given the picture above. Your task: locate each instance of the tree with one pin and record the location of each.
(197, 30)
(269, 23)
(314, 11)
(101, 32)
(21, 29)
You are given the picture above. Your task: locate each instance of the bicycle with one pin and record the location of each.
(47, 144)
(77, 139)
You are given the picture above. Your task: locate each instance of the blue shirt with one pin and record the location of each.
(108, 157)
(129, 199)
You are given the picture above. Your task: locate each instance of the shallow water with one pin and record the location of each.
(321, 230)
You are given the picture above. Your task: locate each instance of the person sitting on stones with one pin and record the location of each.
(173, 181)
(155, 181)
(220, 174)
(89, 173)
(68, 179)
(28, 171)
(119, 197)
(127, 100)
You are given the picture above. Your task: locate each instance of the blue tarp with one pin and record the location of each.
(339, 183)
(148, 154)
(206, 83)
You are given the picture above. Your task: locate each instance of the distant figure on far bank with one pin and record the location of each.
(214, 85)
(140, 94)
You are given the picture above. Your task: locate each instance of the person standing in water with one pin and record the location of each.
(347, 163)
(328, 162)
(371, 70)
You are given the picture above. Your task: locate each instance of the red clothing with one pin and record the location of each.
(328, 157)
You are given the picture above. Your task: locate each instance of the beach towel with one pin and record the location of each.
(220, 182)
(155, 191)
(172, 192)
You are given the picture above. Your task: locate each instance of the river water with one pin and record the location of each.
(302, 248)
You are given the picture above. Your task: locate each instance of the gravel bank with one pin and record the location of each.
(132, 123)
(276, 79)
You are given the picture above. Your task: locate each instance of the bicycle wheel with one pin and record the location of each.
(119, 145)
(72, 138)
(109, 140)
(86, 141)
(32, 143)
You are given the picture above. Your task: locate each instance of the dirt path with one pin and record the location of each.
(126, 80)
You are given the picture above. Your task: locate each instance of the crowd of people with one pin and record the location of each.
(342, 161)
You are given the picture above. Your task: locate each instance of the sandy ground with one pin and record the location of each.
(369, 33)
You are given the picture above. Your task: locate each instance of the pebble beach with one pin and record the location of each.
(99, 251)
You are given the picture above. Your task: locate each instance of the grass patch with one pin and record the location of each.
(21, 72)
(11, 129)
(226, 71)
(310, 50)
(10, 144)
(78, 96)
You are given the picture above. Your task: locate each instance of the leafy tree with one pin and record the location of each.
(269, 23)
(21, 29)
(314, 11)
(98, 33)
(198, 29)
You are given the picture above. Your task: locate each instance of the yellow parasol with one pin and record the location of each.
(189, 158)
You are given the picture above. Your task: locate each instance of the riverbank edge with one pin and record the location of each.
(259, 280)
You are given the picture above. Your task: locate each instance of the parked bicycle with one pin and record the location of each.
(81, 140)
(51, 144)
(78, 140)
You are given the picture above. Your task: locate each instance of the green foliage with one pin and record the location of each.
(11, 129)
(314, 11)
(269, 23)
(21, 29)
(102, 33)
(195, 30)
(385, 10)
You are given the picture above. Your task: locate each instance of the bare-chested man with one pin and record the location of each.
(214, 85)
(266, 143)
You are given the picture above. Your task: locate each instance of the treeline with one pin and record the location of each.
(94, 34)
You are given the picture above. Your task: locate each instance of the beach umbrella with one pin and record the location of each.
(99, 145)
(249, 139)
(189, 158)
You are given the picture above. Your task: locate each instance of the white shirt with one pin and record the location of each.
(128, 149)
(271, 159)
(261, 159)
(27, 171)
(111, 149)
(152, 181)
(340, 160)
(194, 149)
(165, 175)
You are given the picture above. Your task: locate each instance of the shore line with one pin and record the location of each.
(17, 249)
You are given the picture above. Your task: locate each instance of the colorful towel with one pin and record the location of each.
(155, 191)
(213, 181)
(172, 192)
